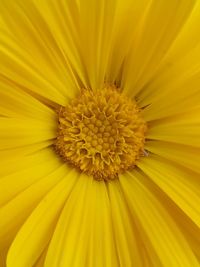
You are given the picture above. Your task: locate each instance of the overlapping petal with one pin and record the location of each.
(50, 215)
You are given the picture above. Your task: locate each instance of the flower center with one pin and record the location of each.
(101, 133)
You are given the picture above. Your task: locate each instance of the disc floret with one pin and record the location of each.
(101, 132)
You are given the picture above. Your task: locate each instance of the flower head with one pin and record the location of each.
(99, 133)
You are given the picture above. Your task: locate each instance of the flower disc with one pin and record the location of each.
(101, 132)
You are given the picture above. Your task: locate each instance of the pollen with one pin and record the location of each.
(102, 133)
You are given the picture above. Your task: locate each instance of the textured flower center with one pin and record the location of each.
(101, 132)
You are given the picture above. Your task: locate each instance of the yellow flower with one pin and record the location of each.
(99, 133)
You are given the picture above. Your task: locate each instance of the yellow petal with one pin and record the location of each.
(18, 104)
(11, 185)
(165, 237)
(180, 185)
(17, 153)
(16, 65)
(174, 89)
(63, 21)
(188, 38)
(16, 211)
(83, 236)
(127, 240)
(37, 230)
(41, 260)
(98, 22)
(123, 32)
(16, 133)
(187, 156)
(158, 28)
(35, 62)
(11, 166)
(183, 128)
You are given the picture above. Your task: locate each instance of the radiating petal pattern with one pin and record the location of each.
(159, 227)
(51, 213)
(37, 230)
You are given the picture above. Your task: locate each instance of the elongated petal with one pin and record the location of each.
(11, 185)
(37, 230)
(96, 17)
(127, 238)
(11, 166)
(187, 156)
(182, 129)
(36, 62)
(20, 152)
(63, 20)
(175, 89)
(183, 187)
(128, 15)
(41, 259)
(15, 212)
(161, 22)
(16, 133)
(188, 38)
(83, 236)
(19, 104)
(167, 240)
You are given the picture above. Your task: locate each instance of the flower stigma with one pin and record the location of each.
(102, 133)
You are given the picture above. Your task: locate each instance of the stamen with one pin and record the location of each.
(101, 132)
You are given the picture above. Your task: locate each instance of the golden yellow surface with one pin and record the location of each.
(101, 133)
(51, 213)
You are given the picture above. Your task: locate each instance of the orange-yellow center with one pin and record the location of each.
(101, 132)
